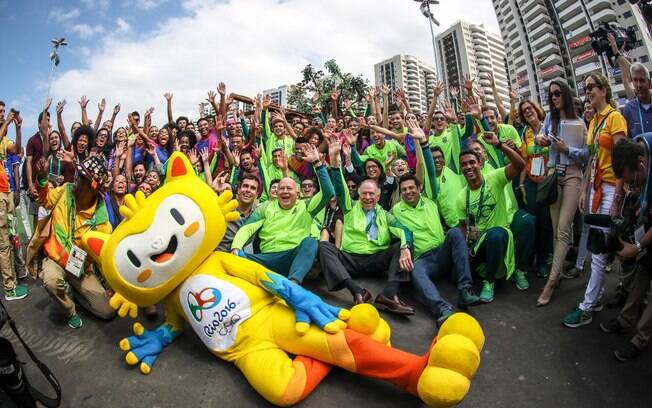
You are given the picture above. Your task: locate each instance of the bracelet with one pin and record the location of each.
(499, 145)
(521, 186)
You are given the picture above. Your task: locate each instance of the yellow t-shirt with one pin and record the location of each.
(603, 131)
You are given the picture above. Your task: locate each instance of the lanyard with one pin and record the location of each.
(597, 130)
(468, 204)
(537, 150)
(58, 173)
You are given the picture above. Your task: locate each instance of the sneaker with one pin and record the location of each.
(612, 326)
(445, 315)
(627, 352)
(22, 274)
(577, 318)
(572, 273)
(598, 306)
(19, 292)
(468, 297)
(543, 271)
(75, 322)
(487, 293)
(521, 280)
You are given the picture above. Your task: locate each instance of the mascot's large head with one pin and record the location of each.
(164, 237)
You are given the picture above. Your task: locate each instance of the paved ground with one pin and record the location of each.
(529, 360)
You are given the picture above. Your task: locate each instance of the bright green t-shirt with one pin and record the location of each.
(449, 143)
(450, 185)
(390, 146)
(494, 211)
(423, 221)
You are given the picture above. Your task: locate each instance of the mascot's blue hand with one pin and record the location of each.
(308, 307)
(146, 345)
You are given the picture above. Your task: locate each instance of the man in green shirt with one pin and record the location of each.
(433, 250)
(366, 248)
(484, 216)
(284, 225)
(449, 185)
(448, 137)
(381, 149)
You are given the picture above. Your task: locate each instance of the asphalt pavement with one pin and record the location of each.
(529, 359)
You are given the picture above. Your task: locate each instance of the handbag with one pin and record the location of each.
(547, 190)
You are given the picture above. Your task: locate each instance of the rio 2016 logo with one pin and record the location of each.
(206, 299)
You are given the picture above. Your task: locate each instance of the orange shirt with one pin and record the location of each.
(604, 131)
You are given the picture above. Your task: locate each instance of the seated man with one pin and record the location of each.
(366, 248)
(483, 214)
(284, 225)
(246, 196)
(433, 250)
(75, 209)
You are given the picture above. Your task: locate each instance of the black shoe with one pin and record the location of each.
(612, 326)
(393, 304)
(364, 297)
(572, 273)
(627, 352)
(617, 301)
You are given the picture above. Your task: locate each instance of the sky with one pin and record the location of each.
(133, 51)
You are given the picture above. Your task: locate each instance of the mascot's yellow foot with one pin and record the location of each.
(453, 361)
(365, 319)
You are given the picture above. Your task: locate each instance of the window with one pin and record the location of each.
(644, 58)
(627, 14)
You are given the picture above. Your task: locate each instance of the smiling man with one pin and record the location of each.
(284, 225)
(483, 213)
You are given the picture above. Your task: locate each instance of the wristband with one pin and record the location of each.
(499, 145)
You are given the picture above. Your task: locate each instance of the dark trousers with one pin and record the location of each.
(294, 263)
(450, 257)
(543, 226)
(492, 251)
(338, 266)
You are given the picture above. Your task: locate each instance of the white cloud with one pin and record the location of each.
(122, 25)
(143, 4)
(85, 31)
(252, 45)
(100, 5)
(63, 17)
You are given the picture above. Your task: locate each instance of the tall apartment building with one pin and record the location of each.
(470, 49)
(278, 95)
(550, 39)
(410, 74)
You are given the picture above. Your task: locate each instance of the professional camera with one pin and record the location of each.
(12, 377)
(600, 43)
(622, 226)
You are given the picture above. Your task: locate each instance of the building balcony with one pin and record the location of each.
(546, 50)
(593, 66)
(540, 41)
(583, 30)
(511, 25)
(604, 16)
(528, 12)
(574, 23)
(562, 4)
(551, 72)
(573, 10)
(513, 34)
(538, 19)
(541, 30)
(595, 6)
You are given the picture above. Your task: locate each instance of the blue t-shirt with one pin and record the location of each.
(639, 119)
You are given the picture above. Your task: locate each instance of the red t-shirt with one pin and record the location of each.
(34, 149)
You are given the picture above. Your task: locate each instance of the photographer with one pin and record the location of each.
(632, 165)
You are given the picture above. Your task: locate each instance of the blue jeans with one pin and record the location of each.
(436, 263)
(492, 251)
(294, 263)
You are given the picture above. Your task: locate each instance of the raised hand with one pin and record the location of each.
(351, 139)
(48, 102)
(221, 88)
(454, 91)
(283, 163)
(267, 101)
(168, 96)
(385, 90)
(83, 102)
(468, 84)
(66, 156)
(42, 168)
(146, 345)
(120, 149)
(438, 88)
(18, 120)
(204, 154)
(236, 158)
(192, 155)
(211, 97)
(149, 111)
(473, 106)
(102, 105)
(448, 111)
(315, 97)
(310, 153)
(334, 145)
(416, 131)
(116, 109)
(60, 106)
(513, 95)
(335, 94)
(372, 91)
(490, 138)
(400, 94)
(229, 100)
(346, 149)
(389, 159)
(347, 104)
(492, 79)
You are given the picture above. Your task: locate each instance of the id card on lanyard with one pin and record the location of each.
(595, 146)
(472, 232)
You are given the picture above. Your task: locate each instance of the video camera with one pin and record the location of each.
(622, 226)
(600, 43)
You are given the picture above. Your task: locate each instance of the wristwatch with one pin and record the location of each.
(638, 247)
(406, 246)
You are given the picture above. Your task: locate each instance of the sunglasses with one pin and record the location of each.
(589, 87)
(439, 118)
(555, 94)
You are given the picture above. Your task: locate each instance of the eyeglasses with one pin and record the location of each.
(439, 118)
(589, 87)
(528, 109)
(306, 186)
(555, 94)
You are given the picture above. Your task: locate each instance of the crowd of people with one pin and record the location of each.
(466, 192)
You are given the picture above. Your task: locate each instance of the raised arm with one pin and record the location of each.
(335, 94)
(517, 163)
(61, 126)
(386, 106)
(221, 89)
(116, 110)
(624, 64)
(168, 100)
(424, 160)
(494, 91)
(100, 112)
(326, 189)
(437, 89)
(83, 103)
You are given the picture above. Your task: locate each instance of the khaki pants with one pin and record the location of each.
(629, 315)
(88, 290)
(6, 254)
(562, 213)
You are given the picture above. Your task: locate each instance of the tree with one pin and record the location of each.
(316, 87)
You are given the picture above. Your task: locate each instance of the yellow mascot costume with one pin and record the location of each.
(164, 250)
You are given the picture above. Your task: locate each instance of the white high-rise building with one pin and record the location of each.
(410, 74)
(470, 49)
(279, 95)
(550, 39)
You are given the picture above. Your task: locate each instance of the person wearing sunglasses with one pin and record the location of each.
(568, 162)
(601, 191)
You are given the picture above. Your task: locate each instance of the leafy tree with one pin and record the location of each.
(316, 87)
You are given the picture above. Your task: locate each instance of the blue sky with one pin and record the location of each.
(132, 51)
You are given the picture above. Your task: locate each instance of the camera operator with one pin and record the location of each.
(632, 165)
